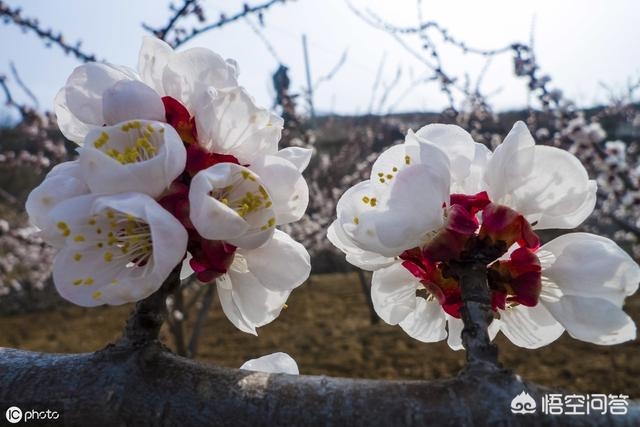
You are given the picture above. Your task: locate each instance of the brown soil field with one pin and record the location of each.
(327, 329)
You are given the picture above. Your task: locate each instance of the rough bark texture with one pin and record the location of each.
(137, 382)
(477, 315)
(148, 385)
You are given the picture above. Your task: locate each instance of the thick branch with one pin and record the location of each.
(150, 386)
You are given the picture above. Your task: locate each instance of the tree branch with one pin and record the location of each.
(247, 10)
(15, 16)
(477, 315)
(144, 323)
(150, 386)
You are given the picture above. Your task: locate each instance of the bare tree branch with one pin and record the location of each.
(48, 35)
(224, 20)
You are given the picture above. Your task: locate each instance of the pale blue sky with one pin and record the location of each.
(578, 43)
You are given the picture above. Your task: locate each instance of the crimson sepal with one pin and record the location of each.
(472, 204)
(519, 277)
(179, 118)
(198, 158)
(450, 241)
(211, 258)
(444, 289)
(176, 201)
(503, 224)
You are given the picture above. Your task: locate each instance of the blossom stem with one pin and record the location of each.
(476, 315)
(150, 313)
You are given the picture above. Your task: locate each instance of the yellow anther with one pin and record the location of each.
(108, 257)
(389, 176)
(88, 281)
(100, 245)
(92, 221)
(380, 174)
(77, 282)
(365, 200)
(356, 220)
(102, 140)
(373, 202)
(96, 295)
(134, 125)
(285, 306)
(394, 169)
(407, 159)
(79, 238)
(382, 180)
(62, 225)
(264, 193)
(268, 205)
(77, 256)
(111, 215)
(98, 230)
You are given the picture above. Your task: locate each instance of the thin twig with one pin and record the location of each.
(331, 74)
(247, 10)
(23, 86)
(50, 38)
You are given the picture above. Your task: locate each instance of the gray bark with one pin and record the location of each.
(137, 382)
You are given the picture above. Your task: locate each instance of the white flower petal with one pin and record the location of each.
(230, 308)
(455, 142)
(426, 323)
(131, 99)
(300, 157)
(393, 292)
(454, 333)
(365, 260)
(510, 160)
(282, 264)
(414, 208)
(186, 271)
(139, 155)
(594, 320)
(152, 60)
(229, 202)
(257, 304)
(545, 184)
(275, 363)
(286, 186)
(229, 122)
(590, 266)
(61, 183)
(193, 71)
(530, 327)
(78, 105)
(474, 183)
(118, 249)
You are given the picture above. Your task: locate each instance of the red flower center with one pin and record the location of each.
(211, 258)
(516, 280)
